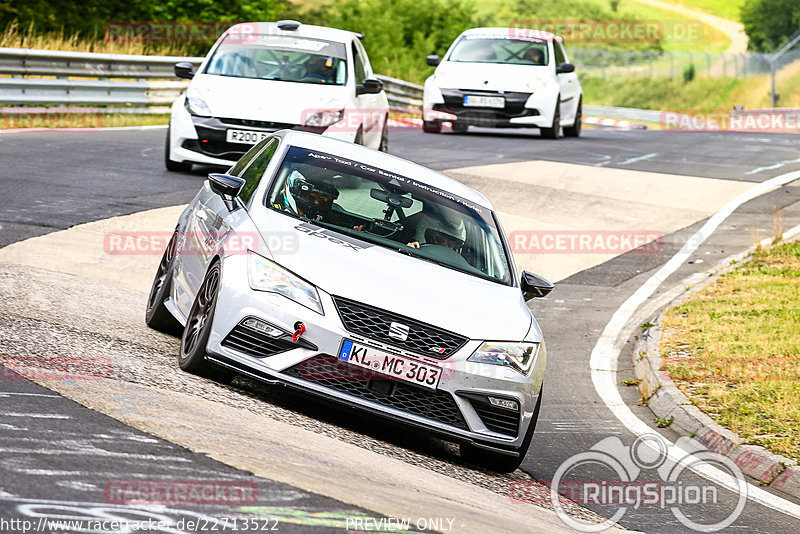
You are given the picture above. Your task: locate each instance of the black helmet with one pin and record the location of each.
(312, 196)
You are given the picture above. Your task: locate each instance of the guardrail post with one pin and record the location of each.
(671, 65)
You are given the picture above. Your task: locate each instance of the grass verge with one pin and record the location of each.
(734, 349)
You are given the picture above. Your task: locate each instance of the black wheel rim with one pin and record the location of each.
(198, 321)
(161, 276)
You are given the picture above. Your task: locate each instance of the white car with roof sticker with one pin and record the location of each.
(364, 279)
(260, 77)
(504, 78)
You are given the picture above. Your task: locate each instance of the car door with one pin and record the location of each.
(371, 107)
(210, 222)
(568, 82)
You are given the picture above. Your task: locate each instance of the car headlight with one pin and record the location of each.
(266, 275)
(325, 118)
(196, 105)
(519, 356)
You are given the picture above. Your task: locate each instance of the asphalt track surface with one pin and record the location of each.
(53, 180)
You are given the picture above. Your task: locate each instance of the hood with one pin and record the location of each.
(343, 266)
(266, 100)
(492, 76)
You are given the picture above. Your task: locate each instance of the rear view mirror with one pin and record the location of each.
(370, 86)
(184, 69)
(396, 201)
(433, 60)
(535, 286)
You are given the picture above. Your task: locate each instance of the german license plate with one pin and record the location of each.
(245, 137)
(484, 101)
(394, 366)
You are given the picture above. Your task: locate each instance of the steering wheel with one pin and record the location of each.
(320, 76)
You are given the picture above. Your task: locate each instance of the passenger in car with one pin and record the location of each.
(534, 55)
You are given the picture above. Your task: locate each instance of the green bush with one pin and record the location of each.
(688, 73)
(400, 33)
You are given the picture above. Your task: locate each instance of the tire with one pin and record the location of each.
(575, 129)
(174, 166)
(497, 462)
(554, 132)
(157, 316)
(384, 146)
(431, 126)
(192, 357)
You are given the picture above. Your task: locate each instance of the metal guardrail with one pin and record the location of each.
(147, 82)
(29, 62)
(629, 114)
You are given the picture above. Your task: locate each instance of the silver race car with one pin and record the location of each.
(364, 279)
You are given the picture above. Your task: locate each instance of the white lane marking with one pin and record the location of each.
(10, 393)
(36, 415)
(92, 452)
(11, 427)
(639, 158)
(604, 355)
(772, 167)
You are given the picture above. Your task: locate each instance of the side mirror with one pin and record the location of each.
(565, 68)
(370, 86)
(226, 186)
(433, 60)
(184, 69)
(535, 286)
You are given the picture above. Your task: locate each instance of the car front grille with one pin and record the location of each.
(327, 371)
(262, 125)
(255, 343)
(374, 323)
(496, 419)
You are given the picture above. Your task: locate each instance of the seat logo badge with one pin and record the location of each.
(398, 331)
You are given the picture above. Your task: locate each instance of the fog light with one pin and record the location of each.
(507, 404)
(260, 326)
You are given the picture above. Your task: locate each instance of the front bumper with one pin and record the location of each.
(457, 410)
(521, 110)
(203, 140)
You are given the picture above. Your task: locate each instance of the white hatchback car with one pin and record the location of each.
(504, 78)
(260, 77)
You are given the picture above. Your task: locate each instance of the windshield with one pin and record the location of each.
(393, 211)
(275, 57)
(477, 49)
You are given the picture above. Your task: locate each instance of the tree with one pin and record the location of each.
(769, 23)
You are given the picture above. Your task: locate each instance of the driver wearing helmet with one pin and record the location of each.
(310, 197)
(437, 227)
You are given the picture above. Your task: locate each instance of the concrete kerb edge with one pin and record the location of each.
(668, 403)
